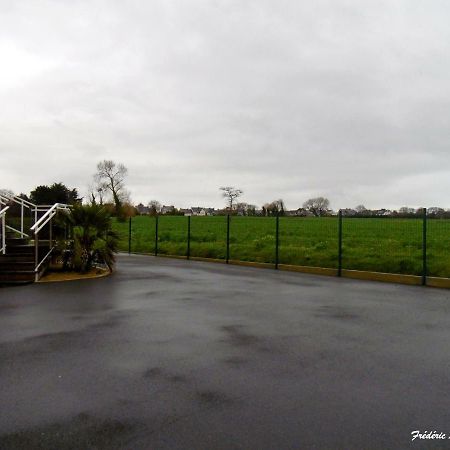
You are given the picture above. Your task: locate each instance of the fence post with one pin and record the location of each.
(36, 249)
(156, 235)
(277, 239)
(189, 238)
(21, 216)
(50, 234)
(228, 239)
(129, 235)
(424, 247)
(340, 243)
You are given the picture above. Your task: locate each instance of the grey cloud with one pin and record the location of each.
(342, 98)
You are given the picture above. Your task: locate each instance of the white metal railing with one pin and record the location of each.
(7, 200)
(36, 269)
(39, 223)
(3, 229)
(9, 227)
(24, 204)
(38, 226)
(48, 216)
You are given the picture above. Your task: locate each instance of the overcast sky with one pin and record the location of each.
(347, 99)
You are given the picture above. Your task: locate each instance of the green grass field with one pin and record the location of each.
(378, 244)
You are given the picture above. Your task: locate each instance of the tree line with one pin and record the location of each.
(108, 189)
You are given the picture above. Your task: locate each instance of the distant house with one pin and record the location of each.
(349, 212)
(186, 211)
(302, 212)
(142, 209)
(383, 212)
(199, 211)
(167, 209)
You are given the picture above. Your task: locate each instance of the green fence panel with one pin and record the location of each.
(252, 239)
(121, 228)
(392, 245)
(172, 235)
(142, 234)
(309, 241)
(389, 245)
(438, 248)
(208, 236)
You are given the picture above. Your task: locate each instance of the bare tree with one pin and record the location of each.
(245, 209)
(319, 206)
(111, 176)
(406, 210)
(97, 193)
(231, 194)
(436, 211)
(155, 207)
(277, 207)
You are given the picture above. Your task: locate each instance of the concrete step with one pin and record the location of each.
(25, 249)
(12, 242)
(7, 259)
(14, 276)
(17, 265)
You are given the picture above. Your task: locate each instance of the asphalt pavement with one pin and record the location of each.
(173, 354)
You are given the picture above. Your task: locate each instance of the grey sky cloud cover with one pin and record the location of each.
(283, 99)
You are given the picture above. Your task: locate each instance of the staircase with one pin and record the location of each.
(17, 264)
(21, 260)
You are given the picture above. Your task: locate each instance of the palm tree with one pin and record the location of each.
(93, 238)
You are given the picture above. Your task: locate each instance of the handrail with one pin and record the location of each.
(37, 227)
(17, 199)
(3, 215)
(25, 202)
(4, 198)
(36, 269)
(49, 212)
(47, 216)
(21, 201)
(24, 235)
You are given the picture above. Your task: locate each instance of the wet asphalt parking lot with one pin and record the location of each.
(173, 354)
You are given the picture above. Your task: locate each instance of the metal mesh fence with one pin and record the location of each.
(143, 234)
(252, 239)
(208, 237)
(387, 245)
(172, 235)
(121, 228)
(309, 241)
(438, 247)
